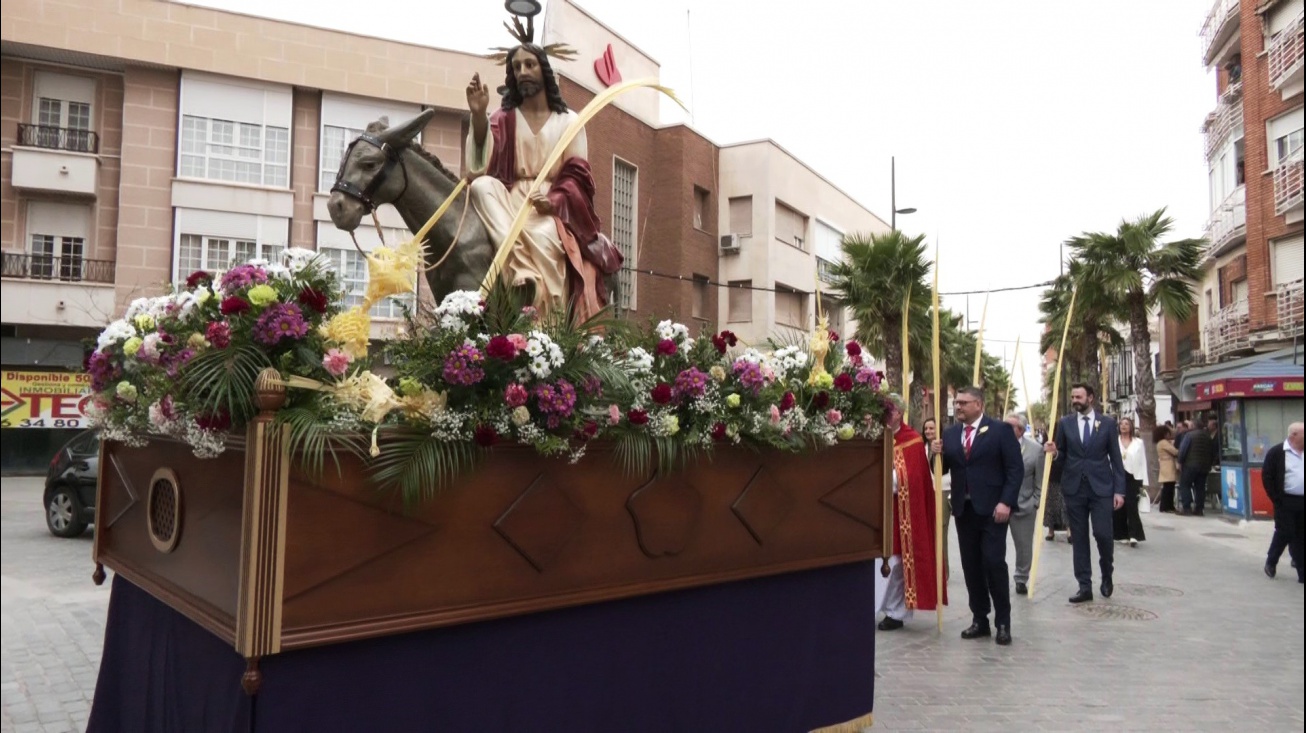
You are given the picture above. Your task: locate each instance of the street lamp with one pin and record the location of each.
(523, 8)
(893, 196)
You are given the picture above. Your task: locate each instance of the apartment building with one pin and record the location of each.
(782, 227)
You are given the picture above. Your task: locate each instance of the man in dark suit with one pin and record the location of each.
(983, 457)
(1087, 448)
(1281, 475)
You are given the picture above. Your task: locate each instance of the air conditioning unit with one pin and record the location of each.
(729, 244)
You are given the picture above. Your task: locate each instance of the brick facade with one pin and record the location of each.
(149, 159)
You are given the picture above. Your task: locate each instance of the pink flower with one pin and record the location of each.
(517, 340)
(336, 362)
(667, 347)
(775, 415)
(515, 395)
(530, 312)
(614, 415)
(834, 417)
(502, 348)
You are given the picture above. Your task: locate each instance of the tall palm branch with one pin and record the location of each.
(1091, 325)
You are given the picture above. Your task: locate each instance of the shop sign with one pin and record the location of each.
(44, 399)
(1241, 387)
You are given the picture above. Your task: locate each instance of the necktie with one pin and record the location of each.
(969, 431)
(1088, 431)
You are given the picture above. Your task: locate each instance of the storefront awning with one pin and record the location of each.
(1283, 364)
(1194, 406)
(1220, 389)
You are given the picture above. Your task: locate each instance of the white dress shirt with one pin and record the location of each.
(1292, 471)
(1135, 459)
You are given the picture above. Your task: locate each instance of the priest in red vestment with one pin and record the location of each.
(912, 567)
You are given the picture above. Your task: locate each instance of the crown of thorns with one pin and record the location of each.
(525, 36)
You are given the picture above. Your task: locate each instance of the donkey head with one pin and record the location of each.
(372, 172)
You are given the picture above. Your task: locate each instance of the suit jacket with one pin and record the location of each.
(1099, 461)
(1031, 486)
(991, 475)
(1272, 472)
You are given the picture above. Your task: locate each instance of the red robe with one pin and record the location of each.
(913, 539)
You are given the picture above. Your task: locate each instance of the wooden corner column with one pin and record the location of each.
(263, 531)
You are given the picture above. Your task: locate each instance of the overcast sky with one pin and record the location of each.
(1015, 123)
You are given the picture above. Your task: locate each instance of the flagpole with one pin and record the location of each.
(906, 358)
(938, 459)
(1052, 432)
(979, 344)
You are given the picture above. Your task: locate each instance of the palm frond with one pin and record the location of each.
(634, 453)
(418, 465)
(313, 439)
(222, 380)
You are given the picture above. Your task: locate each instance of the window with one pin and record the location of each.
(56, 238)
(740, 301)
(832, 309)
(702, 199)
(790, 226)
(1210, 303)
(1286, 257)
(352, 268)
(1267, 424)
(625, 183)
(699, 298)
(215, 241)
(790, 307)
(829, 242)
(1238, 291)
(233, 130)
(1285, 136)
(61, 112)
(335, 140)
(741, 216)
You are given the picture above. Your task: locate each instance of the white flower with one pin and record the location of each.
(787, 360)
(297, 258)
(672, 330)
(639, 360)
(457, 307)
(116, 332)
(258, 262)
(137, 307)
(279, 272)
(752, 356)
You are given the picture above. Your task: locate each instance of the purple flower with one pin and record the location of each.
(102, 371)
(463, 365)
(174, 362)
(280, 321)
(750, 375)
(556, 400)
(243, 276)
(691, 383)
(592, 386)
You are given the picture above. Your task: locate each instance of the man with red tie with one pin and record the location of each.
(984, 459)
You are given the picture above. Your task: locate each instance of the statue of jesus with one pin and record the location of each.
(561, 256)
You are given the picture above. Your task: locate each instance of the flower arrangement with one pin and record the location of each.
(473, 374)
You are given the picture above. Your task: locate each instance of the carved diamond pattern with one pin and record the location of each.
(855, 499)
(540, 522)
(762, 505)
(666, 512)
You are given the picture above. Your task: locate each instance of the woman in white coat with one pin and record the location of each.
(1128, 523)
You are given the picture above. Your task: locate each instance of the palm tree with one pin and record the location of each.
(1143, 276)
(1091, 326)
(873, 282)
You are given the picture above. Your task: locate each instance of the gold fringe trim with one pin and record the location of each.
(856, 725)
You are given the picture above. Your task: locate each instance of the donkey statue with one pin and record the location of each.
(385, 166)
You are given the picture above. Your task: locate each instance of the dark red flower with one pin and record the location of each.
(233, 306)
(834, 336)
(844, 382)
(197, 277)
(666, 347)
(821, 400)
(485, 435)
(724, 340)
(502, 348)
(637, 417)
(787, 402)
(719, 432)
(853, 348)
(661, 394)
(215, 421)
(313, 300)
(587, 431)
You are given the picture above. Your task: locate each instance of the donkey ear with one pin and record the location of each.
(381, 124)
(401, 133)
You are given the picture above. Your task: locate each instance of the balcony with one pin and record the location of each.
(1227, 226)
(1219, 124)
(1288, 298)
(825, 270)
(59, 291)
(1286, 55)
(1233, 92)
(1227, 332)
(1220, 25)
(56, 160)
(1288, 184)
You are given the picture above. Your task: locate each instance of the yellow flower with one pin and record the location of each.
(671, 424)
(521, 416)
(393, 271)
(145, 322)
(409, 387)
(126, 391)
(825, 380)
(203, 295)
(350, 331)
(845, 432)
(132, 345)
(718, 373)
(197, 341)
(424, 404)
(732, 400)
(262, 295)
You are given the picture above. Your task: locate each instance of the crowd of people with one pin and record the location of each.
(993, 474)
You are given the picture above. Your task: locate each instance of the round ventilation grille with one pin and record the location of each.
(164, 507)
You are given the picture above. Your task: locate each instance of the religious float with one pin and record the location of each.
(513, 518)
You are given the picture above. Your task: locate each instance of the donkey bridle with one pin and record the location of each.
(364, 195)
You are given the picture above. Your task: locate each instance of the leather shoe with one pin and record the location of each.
(1022, 589)
(976, 632)
(890, 624)
(1270, 570)
(1004, 635)
(1083, 596)
(1107, 589)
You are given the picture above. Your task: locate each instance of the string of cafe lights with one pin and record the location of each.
(740, 286)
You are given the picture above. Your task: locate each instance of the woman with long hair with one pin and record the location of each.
(1167, 457)
(1128, 523)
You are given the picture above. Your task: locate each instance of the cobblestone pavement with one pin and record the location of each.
(1196, 638)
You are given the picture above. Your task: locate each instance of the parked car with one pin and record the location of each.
(70, 485)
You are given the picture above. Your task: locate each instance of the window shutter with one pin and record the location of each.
(1287, 260)
(741, 216)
